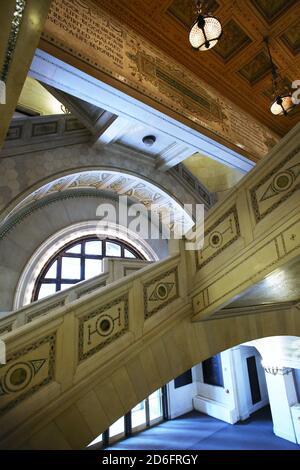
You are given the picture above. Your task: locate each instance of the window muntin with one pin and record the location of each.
(78, 261)
(112, 249)
(147, 413)
(155, 405)
(139, 416)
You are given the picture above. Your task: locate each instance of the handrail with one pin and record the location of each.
(113, 269)
(98, 342)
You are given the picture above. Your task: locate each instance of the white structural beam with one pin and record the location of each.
(106, 128)
(112, 129)
(64, 77)
(97, 126)
(173, 155)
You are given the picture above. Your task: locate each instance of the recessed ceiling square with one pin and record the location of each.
(291, 38)
(257, 68)
(232, 40)
(270, 9)
(268, 92)
(184, 10)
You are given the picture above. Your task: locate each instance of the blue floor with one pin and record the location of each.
(196, 431)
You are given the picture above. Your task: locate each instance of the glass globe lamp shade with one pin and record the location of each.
(282, 105)
(205, 32)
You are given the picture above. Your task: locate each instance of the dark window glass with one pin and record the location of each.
(183, 379)
(253, 379)
(296, 374)
(212, 371)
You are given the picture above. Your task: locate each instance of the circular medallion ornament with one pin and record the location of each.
(283, 181)
(162, 291)
(18, 377)
(105, 325)
(215, 239)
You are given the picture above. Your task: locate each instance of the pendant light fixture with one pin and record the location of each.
(282, 102)
(206, 30)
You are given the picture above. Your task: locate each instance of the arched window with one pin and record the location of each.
(78, 261)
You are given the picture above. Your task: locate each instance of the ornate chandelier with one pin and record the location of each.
(282, 102)
(206, 30)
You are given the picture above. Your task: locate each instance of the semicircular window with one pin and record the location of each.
(79, 261)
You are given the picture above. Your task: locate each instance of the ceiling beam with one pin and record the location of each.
(88, 114)
(33, 19)
(105, 126)
(173, 155)
(62, 76)
(112, 130)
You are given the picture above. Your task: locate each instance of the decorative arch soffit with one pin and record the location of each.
(96, 183)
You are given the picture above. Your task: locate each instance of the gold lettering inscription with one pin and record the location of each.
(85, 31)
(98, 33)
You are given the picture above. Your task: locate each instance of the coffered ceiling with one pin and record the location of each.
(238, 66)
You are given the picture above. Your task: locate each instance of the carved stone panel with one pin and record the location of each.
(14, 133)
(89, 290)
(26, 371)
(255, 266)
(276, 186)
(43, 311)
(5, 329)
(73, 125)
(102, 326)
(127, 271)
(218, 237)
(44, 129)
(160, 292)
